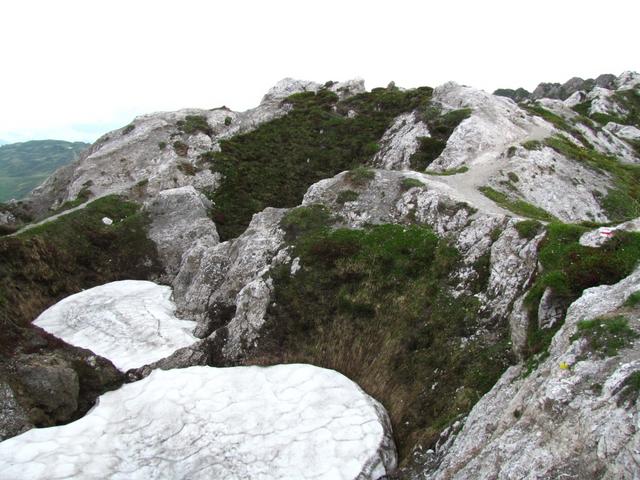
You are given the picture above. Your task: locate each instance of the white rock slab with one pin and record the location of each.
(130, 322)
(282, 422)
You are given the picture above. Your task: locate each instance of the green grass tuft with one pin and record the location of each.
(532, 145)
(519, 207)
(451, 171)
(409, 183)
(195, 123)
(605, 336)
(360, 176)
(346, 196)
(633, 299)
(528, 228)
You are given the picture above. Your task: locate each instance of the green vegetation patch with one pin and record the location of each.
(519, 207)
(409, 183)
(273, 165)
(630, 389)
(569, 268)
(513, 177)
(629, 100)
(532, 144)
(633, 299)
(50, 261)
(375, 305)
(347, 196)
(194, 123)
(556, 120)
(83, 195)
(528, 228)
(605, 336)
(187, 168)
(360, 176)
(583, 108)
(451, 171)
(623, 201)
(180, 148)
(441, 126)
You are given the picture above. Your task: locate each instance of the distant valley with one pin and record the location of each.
(24, 165)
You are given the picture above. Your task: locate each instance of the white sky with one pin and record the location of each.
(75, 69)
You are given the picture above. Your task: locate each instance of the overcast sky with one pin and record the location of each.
(73, 70)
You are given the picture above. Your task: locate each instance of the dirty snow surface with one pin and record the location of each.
(286, 421)
(130, 322)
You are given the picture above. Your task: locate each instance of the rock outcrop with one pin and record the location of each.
(574, 416)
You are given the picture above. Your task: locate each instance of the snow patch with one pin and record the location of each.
(130, 322)
(286, 421)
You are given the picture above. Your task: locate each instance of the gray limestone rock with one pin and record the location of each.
(400, 142)
(13, 419)
(179, 224)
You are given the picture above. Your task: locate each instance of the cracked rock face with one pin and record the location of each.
(179, 224)
(400, 142)
(130, 322)
(287, 421)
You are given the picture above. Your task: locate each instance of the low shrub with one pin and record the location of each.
(187, 168)
(194, 123)
(360, 176)
(532, 145)
(518, 206)
(276, 163)
(180, 148)
(441, 126)
(623, 201)
(409, 183)
(528, 228)
(128, 129)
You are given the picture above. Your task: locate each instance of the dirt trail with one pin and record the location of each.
(51, 218)
(464, 186)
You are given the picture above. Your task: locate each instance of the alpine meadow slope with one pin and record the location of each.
(468, 260)
(23, 166)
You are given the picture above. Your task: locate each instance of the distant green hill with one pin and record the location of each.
(23, 166)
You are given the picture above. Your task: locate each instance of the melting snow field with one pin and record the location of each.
(286, 421)
(130, 322)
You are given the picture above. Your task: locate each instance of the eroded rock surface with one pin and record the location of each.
(287, 421)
